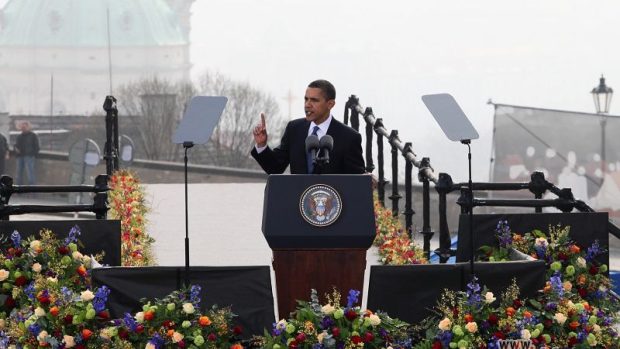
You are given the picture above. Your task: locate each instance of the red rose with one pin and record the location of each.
(9, 303)
(548, 323)
(43, 299)
(68, 319)
(356, 339)
(20, 281)
(181, 344)
(149, 315)
(80, 346)
(562, 256)
(335, 331)
(237, 330)
(593, 270)
(499, 335)
(572, 341)
(212, 337)
(455, 312)
(436, 345)
(493, 319)
(292, 345)
(86, 333)
(468, 318)
(300, 338)
(351, 314)
(582, 292)
(139, 328)
(63, 250)
(368, 337)
(123, 334)
(104, 315)
(517, 303)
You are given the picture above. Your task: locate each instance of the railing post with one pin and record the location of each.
(369, 131)
(355, 115)
(426, 232)
(409, 212)
(443, 187)
(395, 195)
(538, 186)
(380, 162)
(6, 189)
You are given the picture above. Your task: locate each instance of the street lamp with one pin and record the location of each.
(602, 97)
(602, 100)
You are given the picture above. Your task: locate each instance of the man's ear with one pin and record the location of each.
(331, 103)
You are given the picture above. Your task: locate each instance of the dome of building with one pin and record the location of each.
(84, 23)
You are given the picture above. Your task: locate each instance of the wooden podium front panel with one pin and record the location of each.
(299, 271)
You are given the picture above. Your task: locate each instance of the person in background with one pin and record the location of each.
(4, 153)
(26, 149)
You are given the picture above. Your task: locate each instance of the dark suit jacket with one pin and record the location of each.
(345, 158)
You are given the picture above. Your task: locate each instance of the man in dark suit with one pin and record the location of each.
(346, 155)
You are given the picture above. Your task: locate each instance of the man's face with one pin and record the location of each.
(316, 106)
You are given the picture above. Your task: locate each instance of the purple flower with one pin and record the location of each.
(445, 337)
(556, 284)
(352, 298)
(16, 238)
(593, 251)
(551, 306)
(503, 234)
(327, 322)
(157, 341)
(73, 234)
(130, 322)
(35, 329)
(29, 290)
(473, 293)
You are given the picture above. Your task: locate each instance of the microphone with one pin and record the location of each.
(326, 144)
(312, 145)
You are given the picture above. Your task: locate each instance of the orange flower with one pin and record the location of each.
(236, 346)
(204, 321)
(573, 325)
(86, 333)
(54, 311)
(82, 270)
(510, 311)
(527, 314)
(574, 249)
(149, 315)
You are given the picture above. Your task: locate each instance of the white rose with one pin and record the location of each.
(188, 308)
(581, 262)
(328, 309)
(87, 295)
(445, 324)
(541, 242)
(4, 274)
(69, 341)
(105, 333)
(150, 345)
(139, 316)
(87, 261)
(51, 279)
(39, 312)
(321, 336)
(177, 337)
(42, 335)
(489, 297)
(36, 267)
(472, 327)
(76, 255)
(374, 320)
(35, 245)
(525, 334)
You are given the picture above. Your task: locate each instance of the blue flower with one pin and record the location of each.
(327, 322)
(593, 251)
(130, 322)
(157, 341)
(352, 298)
(16, 238)
(101, 297)
(29, 290)
(473, 293)
(503, 234)
(194, 294)
(35, 329)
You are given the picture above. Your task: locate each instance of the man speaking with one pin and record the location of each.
(316, 144)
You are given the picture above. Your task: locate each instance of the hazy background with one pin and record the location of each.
(546, 54)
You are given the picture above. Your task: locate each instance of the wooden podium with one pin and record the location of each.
(319, 228)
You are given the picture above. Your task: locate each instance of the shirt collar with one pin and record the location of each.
(323, 127)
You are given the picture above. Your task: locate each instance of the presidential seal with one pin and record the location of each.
(320, 205)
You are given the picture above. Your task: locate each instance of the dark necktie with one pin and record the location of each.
(309, 154)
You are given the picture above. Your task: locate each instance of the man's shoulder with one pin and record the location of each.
(297, 122)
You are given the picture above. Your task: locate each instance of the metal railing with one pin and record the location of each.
(443, 183)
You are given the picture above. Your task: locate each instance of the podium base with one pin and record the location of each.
(299, 271)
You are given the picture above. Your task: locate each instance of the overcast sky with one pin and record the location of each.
(546, 54)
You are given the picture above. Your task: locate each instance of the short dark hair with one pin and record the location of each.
(329, 91)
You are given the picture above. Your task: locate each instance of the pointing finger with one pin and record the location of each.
(262, 119)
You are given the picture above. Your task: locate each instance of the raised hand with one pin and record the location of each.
(260, 132)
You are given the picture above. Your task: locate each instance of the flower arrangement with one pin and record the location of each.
(175, 322)
(575, 308)
(330, 325)
(126, 200)
(48, 299)
(395, 246)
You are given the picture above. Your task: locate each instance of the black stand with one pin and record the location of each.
(111, 133)
(471, 208)
(186, 146)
